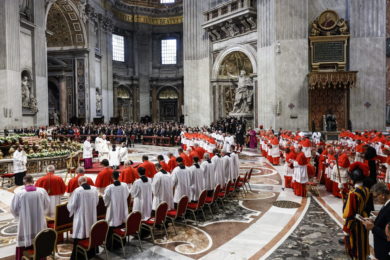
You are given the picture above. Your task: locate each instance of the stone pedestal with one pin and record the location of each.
(248, 117)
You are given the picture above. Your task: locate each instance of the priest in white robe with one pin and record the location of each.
(219, 174)
(87, 153)
(181, 181)
(209, 172)
(141, 191)
(28, 206)
(104, 149)
(83, 206)
(162, 188)
(123, 153)
(20, 165)
(115, 199)
(196, 180)
(226, 166)
(235, 161)
(114, 157)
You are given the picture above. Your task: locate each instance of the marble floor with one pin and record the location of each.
(269, 222)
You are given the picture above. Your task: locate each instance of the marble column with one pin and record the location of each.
(63, 100)
(155, 116)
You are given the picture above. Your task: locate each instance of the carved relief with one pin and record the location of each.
(233, 63)
(329, 23)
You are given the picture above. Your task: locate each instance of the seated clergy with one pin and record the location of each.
(55, 187)
(82, 206)
(74, 182)
(129, 174)
(104, 177)
(162, 188)
(115, 199)
(28, 206)
(141, 191)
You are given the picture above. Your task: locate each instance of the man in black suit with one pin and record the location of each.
(378, 227)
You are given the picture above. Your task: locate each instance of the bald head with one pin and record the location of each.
(82, 180)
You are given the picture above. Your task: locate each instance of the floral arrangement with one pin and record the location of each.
(9, 139)
(45, 154)
(25, 135)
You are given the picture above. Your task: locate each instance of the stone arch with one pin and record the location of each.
(246, 49)
(166, 91)
(168, 100)
(64, 26)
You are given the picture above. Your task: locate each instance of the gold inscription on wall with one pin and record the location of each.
(147, 19)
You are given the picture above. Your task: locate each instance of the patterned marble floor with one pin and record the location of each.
(249, 227)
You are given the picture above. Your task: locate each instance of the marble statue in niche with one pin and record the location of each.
(25, 9)
(29, 102)
(99, 101)
(244, 94)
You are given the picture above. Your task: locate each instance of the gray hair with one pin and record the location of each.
(50, 168)
(206, 156)
(380, 188)
(80, 170)
(82, 180)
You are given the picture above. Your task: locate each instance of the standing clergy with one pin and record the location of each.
(82, 206)
(104, 177)
(104, 149)
(123, 153)
(87, 153)
(148, 166)
(172, 164)
(235, 164)
(20, 162)
(196, 180)
(141, 191)
(219, 174)
(181, 180)
(209, 172)
(74, 182)
(226, 166)
(28, 206)
(162, 188)
(129, 174)
(55, 187)
(162, 162)
(300, 174)
(114, 157)
(115, 199)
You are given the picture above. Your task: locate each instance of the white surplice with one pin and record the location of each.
(123, 154)
(87, 150)
(54, 200)
(209, 175)
(115, 199)
(226, 168)
(197, 182)
(104, 150)
(162, 188)
(236, 165)
(300, 173)
(82, 206)
(181, 182)
(29, 207)
(114, 158)
(219, 174)
(19, 161)
(142, 194)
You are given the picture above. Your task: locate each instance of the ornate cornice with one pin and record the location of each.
(341, 79)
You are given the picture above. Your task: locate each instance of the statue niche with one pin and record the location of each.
(236, 67)
(29, 102)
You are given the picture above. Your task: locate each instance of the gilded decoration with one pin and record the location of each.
(168, 93)
(64, 26)
(123, 93)
(323, 80)
(329, 23)
(233, 64)
(148, 19)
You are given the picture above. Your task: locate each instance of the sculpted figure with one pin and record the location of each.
(243, 95)
(26, 92)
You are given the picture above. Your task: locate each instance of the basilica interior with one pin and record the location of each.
(296, 65)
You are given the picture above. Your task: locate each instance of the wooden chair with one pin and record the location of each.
(159, 219)
(213, 199)
(198, 206)
(97, 237)
(222, 195)
(179, 212)
(132, 228)
(43, 245)
(249, 178)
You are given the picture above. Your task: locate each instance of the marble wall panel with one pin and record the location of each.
(316, 7)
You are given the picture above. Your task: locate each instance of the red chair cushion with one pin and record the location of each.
(231, 189)
(149, 221)
(84, 243)
(8, 175)
(221, 194)
(172, 213)
(50, 224)
(29, 252)
(120, 231)
(209, 199)
(192, 205)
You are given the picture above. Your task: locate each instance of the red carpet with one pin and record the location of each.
(97, 167)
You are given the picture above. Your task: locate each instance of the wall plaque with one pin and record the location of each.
(328, 52)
